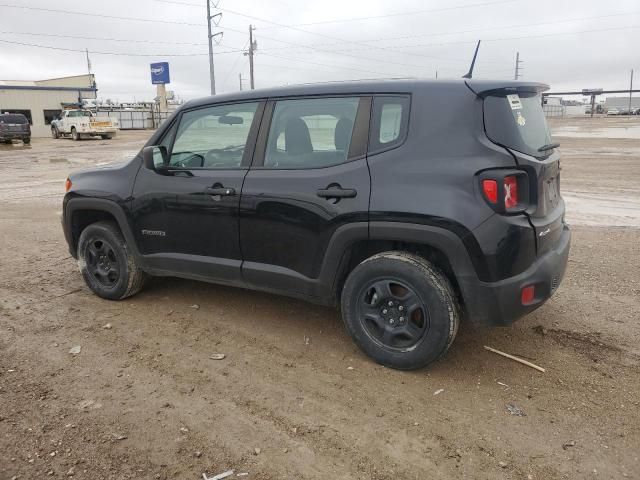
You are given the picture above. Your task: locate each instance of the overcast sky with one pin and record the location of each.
(570, 44)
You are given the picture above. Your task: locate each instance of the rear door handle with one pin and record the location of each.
(222, 191)
(337, 192)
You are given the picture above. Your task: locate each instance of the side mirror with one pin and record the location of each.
(151, 155)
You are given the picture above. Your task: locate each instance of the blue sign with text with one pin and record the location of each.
(160, 73)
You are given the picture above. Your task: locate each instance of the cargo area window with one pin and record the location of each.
(516, 120)
(389, 122)
(26, 113)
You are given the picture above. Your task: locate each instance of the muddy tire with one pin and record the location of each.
(74, 134)
(106, 262)
(400, 310)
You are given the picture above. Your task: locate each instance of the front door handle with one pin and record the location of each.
(337, 192)
(222, 191)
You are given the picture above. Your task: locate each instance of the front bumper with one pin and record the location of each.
(499, 303)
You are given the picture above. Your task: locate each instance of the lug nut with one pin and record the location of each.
(392, 321)
(401, 308)
(401, 319)
(390, 303)
(384, 311)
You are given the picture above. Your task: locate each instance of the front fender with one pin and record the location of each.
(72, 205)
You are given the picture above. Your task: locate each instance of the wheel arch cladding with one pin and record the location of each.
(80, 213)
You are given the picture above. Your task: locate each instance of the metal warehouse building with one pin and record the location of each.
(41, 100)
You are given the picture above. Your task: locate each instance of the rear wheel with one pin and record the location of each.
(74, 134)
(106, 137)
(400, 310)
(106, 263)
(26, 141)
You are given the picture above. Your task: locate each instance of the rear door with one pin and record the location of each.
(309, 178)
(186, 212)
(515, 119)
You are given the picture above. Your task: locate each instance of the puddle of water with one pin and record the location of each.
(621, 131)
(592, 209)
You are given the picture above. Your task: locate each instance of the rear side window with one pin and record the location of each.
(389, 122)
(311, 133)
(516, 120)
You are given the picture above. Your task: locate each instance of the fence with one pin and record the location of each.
(135, 119)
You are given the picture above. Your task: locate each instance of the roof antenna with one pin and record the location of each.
(469, 74)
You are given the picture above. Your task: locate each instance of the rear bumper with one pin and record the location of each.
(499, 303)
(14, 135)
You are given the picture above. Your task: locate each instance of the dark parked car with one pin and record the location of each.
(14, 126)
(408, 203)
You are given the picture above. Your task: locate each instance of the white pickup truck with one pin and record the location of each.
(83, 123)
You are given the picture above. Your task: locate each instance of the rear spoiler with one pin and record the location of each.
(482, 88)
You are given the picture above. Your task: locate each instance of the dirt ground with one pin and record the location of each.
(294, 398)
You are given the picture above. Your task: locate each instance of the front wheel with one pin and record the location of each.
(74, 134)
(400, 310)
(26, 141)
(55, 133)
(106, 262)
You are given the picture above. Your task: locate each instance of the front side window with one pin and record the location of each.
(311, 133)
(213, 137)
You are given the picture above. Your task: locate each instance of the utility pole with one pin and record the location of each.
(630, 91)
(240, 79)
(518, 68)
(253, 46)
(211, 35)
(436, 74)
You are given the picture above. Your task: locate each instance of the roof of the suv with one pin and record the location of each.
(366, 86)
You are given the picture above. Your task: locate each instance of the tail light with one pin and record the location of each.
(510, 192)
(490, 190)
(505, 191)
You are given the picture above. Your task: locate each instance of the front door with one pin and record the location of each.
(186, 212)
(309, 178)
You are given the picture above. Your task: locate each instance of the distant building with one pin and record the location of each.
(41, 100)
(622, 102)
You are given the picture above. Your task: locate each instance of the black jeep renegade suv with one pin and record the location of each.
(408, 203)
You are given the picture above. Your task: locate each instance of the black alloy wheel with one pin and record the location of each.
(392, 314)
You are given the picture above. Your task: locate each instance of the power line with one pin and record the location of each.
(115, 53)
(356, 19)
(113, 17)
(340, 40)
(461, 42)
(505, 27)
(102, 39)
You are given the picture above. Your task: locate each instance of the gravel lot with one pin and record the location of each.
(294, 398)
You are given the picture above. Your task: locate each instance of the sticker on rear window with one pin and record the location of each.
(514, 101)
(520, 120)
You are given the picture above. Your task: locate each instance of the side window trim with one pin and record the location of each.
(375, 146)
(359, 136)
(250, 145)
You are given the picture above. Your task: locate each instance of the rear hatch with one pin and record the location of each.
(514, 119)
(14, 124)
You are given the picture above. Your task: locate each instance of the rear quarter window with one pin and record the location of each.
(516, 120)
(389, 122)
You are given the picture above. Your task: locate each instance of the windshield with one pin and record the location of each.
(15, 119)
(516, 120)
